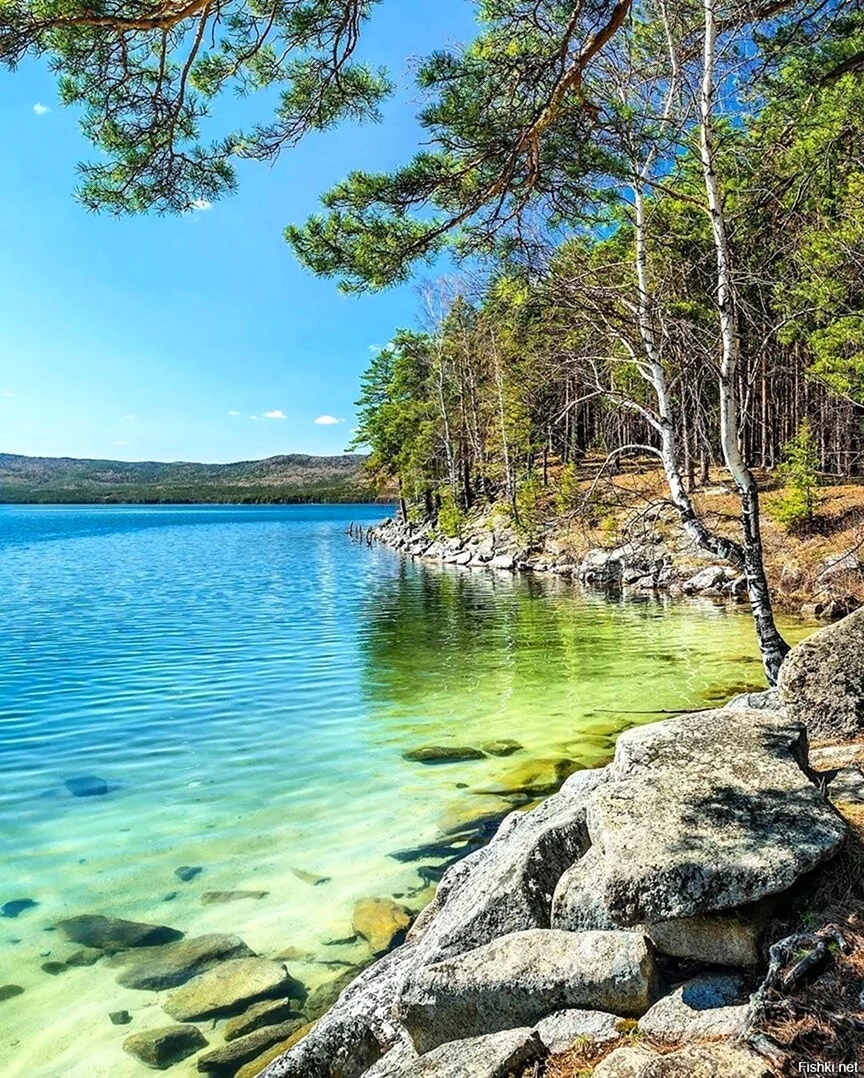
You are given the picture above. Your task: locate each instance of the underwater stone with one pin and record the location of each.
(442, 754)
(225, 1061)
(503, 747)
(86, 786)
(312, 878)
(120, 1018)
(9, 991)
(86, 956)
(230, 985)
(54, 968)
(269, 1012)
(161, 1048)
(209, 898)
(153, 969)
(18, 905)
(188, 872)
(112, 934)
(381, 922)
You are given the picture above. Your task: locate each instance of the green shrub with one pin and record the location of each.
(450, 517)
(567, 497)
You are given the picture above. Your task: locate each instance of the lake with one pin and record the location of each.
(237, 686)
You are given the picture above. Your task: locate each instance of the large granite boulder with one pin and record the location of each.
(227, 987)
(822, 680)
(508, 885)
(343, 1048)
(708, 812)
(153, 969)
(718, 1060)
(728, 938)
(707, 1007)
(496, 1055)
(521, 978)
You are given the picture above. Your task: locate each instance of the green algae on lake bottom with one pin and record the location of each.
(246, 683)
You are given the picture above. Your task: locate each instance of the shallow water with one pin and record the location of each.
(245, 680)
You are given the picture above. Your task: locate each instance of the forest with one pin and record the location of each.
(646, 214)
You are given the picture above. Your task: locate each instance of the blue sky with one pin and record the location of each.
(139, 338)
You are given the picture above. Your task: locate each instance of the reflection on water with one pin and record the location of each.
(235, 687)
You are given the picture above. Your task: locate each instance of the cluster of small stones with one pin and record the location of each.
(654, 561)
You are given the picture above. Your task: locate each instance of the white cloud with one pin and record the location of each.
(253, 416)
(121, 442)
(40, 109)
(129, 416)
(327, 420)
(8, 393)
(275, 413)
(201, 204)
(232, 412)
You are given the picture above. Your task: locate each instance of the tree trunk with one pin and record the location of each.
(771, 643)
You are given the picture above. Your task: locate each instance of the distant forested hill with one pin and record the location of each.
(295, 477)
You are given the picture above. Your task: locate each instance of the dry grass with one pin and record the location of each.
(818, 1021)
(793, 557)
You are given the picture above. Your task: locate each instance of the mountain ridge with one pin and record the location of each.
(288, 477)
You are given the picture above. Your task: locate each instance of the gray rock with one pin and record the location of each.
(162, 1048)
(503, 747)
(10, 991)
(226, 1060)
(156, 968)
(521, 978)
(696, 1061)
(227, 986)
(112, 934)
(394, 1063)
(835, 757)
(510, 884)
(578, 904)
(769, 700)
(709, 812)
(604, 568)
(496, 1055)
(561, 1030)
(822, 680)
(729, 938)
(711, 577)
(442, 754)
(218, 898)
(711, 1006)
(847, 786)
(839, 565)
(269, 1012)
(119, 1018)
(343, 1048)
(502, 561)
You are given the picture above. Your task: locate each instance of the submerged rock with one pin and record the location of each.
(269, 1012)
(120, 1018)
(112, 934)
(86, 786)
(10, 991)
(211, 898)
(312, 878)
(521, 978)
(225, 1061)
(442, 754)
(502, 747)
(381, 922)
(224, 988)
(536, 778)
(86, 956)
(708, 812)
(822, 680)
(186, 873)
(162, 1048)
(17, 906)
(53, 968)
(156, 968)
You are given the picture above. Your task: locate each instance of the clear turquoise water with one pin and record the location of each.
(245, 680)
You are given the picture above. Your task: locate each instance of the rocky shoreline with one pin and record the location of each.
(627, 919)
(657, 557)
